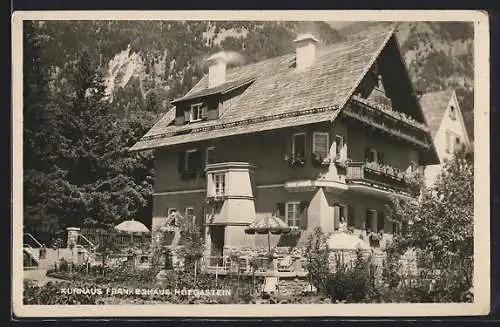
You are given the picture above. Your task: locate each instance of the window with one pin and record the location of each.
(219, 184)
(339, 212)
(198, 112)
(193, 161)
(292, 213)
(370, 155)
(210, 156)
(339, 144)
(351, 217)
(370, 220)
(320, 144)
(299, 145)
(171, 211)
(453, 142)
(453, 114)
(380, 221)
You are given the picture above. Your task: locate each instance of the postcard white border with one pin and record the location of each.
(481, 305)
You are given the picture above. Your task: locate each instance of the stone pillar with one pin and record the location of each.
(73, 233)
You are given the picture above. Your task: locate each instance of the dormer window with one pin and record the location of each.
(198, 112)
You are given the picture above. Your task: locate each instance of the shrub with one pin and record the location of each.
(317, 261)
(353, 284)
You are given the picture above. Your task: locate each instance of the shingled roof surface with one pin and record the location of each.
(434, 106)
(281, 96)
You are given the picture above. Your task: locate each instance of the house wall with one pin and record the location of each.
(447, 124)
(268, 150)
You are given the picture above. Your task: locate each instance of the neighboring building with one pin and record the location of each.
(313, 136)
(446, 124)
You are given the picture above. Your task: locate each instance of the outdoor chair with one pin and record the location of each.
(285, 264)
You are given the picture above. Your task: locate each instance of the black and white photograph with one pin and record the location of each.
(258, 163)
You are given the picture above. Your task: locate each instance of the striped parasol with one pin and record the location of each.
(268, 225)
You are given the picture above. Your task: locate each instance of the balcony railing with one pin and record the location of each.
(380, 176)
(387, 120)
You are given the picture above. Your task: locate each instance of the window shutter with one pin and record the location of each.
(181, 162)
(204, 112)
(336, 217)
(380, 221)
(187, 115)
(280, 210)
(381, 158)
(198, 160)
(303, 214)
(351, 216)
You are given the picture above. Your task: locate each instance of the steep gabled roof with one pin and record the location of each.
(434, 105)
(280, 96)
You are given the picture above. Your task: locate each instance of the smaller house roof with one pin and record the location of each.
(220, 89)
(434, 105)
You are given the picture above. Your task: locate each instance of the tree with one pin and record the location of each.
(440, 223)
(194, 243)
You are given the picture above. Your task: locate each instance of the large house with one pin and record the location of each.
(446, 124)
(312, 136)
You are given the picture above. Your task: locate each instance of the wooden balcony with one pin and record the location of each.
(378, 177)
(387, 121)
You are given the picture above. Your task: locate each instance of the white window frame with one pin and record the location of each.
(219, 191)
(196, 113)
(293, 142)
(186, 156)
(316, 134)
(210, 148)
(296, 219)
(336, 145)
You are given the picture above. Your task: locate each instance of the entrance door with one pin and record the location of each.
(217, 248)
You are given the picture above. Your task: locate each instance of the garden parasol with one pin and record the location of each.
(132, 227)
(341, 241)
(268, 225)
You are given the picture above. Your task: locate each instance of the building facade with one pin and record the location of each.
(325, 134)
(446, 124)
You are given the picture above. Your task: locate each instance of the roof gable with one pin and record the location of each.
(280, 91)
(434, 105)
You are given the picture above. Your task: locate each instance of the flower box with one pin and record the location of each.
(295, 160)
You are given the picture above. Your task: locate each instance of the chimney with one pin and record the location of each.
(216, 69)
(305, 50)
